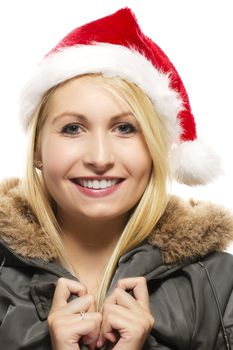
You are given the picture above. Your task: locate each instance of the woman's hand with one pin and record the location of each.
(129, 316)
(66, 327)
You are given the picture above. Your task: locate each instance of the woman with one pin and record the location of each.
(95, 253)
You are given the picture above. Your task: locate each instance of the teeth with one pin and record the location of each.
(97, 184)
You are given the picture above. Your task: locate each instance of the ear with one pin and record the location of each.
(38, 164)
(37, 160)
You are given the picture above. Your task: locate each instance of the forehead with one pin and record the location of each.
(88, 96)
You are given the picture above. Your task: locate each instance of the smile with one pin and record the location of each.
(97, 184)
(97, 188)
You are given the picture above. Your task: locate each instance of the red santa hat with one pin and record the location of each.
(116, 46)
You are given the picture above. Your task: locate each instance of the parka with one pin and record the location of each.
(189, 275)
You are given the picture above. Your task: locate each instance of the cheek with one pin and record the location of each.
(139, 161)
(57, 157)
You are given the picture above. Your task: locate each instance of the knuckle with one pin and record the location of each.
(120, 282)
(92, 324)
(148, 323)
(61, 281)
(142, 279)
(152, 321)
(54, 323)
(50, 320)
(99, 316)
(118, 291)
(84, 288)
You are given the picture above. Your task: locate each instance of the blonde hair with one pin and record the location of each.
(145, 214)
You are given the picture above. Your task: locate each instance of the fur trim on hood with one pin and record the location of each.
(186, 230)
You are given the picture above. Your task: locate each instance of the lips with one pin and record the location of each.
(96, 192)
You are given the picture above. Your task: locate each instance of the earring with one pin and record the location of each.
(38, 164)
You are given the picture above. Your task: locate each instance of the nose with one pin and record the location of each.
(99, 154)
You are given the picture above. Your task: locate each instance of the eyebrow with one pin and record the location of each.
(85, 119)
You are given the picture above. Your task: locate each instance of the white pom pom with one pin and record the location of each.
(194, 163)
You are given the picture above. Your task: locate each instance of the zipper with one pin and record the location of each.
(228, 345)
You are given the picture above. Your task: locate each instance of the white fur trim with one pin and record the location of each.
(194, 163)
(111, 60)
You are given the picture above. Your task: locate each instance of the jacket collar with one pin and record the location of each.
(186, 230)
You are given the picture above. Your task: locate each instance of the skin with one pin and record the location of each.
(96, 146)
(129, 315)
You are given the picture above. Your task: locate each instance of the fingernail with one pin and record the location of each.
(100, 343)
(85, 339)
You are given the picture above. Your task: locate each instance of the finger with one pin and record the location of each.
(77, 305)
(111, 322)
(125, 323)
(68, 320)
(120, 311)
(92, 336)
(144, 318)
(66, 326)
(79, 329)
(139, 287)
(104, 341)
(64, 289)
(122, 298)
(105, 336)
(114, 317)
(100, 342)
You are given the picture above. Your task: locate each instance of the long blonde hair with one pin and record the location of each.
(145, 214)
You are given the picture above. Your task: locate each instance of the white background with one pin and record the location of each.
(197, 35)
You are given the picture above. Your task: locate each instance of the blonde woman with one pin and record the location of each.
(95, 253)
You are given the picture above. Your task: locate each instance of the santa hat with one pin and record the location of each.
(116, 46)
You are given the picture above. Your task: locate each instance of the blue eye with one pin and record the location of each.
(71, 129)
(74, 129)
(126, 128)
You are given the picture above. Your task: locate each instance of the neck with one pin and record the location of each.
(89, 244)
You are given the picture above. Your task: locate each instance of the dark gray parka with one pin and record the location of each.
(189, 277)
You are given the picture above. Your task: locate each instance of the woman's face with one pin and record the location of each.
(95, 162)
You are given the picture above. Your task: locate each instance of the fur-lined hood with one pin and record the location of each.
(186, 230)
